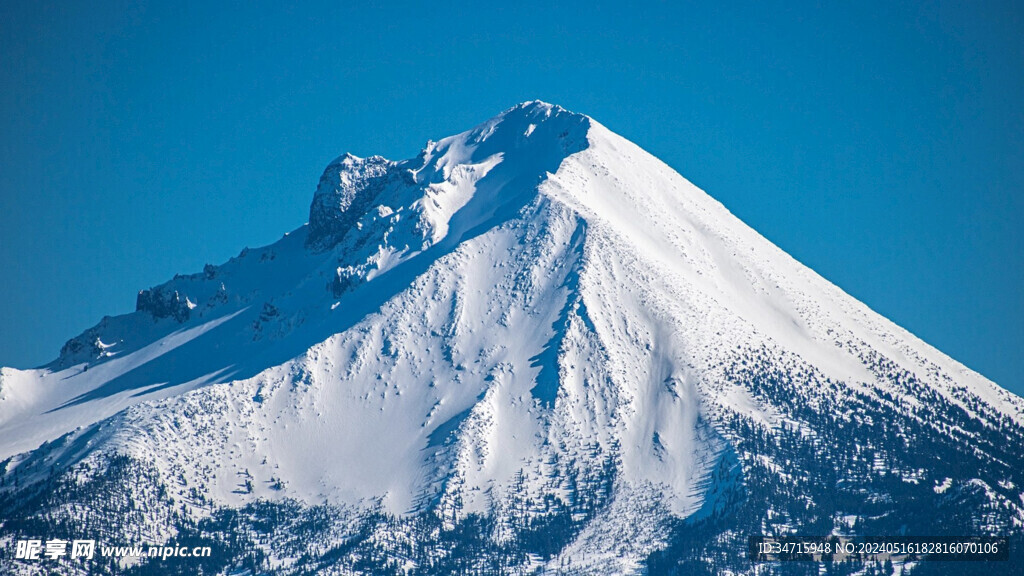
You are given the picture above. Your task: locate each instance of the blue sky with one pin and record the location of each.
(882, 144)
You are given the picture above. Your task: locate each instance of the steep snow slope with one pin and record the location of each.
(534, 321)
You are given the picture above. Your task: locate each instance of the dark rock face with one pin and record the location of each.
(344, 278)
(83, 348)
(346, 189)
(161, 304)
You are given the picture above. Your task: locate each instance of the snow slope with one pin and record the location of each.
(533, 318)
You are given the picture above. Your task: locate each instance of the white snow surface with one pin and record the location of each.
(526, 289)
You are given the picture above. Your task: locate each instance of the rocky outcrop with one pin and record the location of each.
(164, 304)
(346, 189)
(85, 347)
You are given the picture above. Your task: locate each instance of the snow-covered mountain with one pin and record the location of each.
(532, 348)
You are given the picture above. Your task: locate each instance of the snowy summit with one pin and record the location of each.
(533, 347)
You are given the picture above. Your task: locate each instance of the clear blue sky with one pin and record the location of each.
(882, 143)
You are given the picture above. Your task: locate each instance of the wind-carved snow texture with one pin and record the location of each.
(532, 348)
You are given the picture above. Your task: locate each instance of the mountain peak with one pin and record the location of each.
(528, 141)
(535, 113)
(536, 108)
(532, 343)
